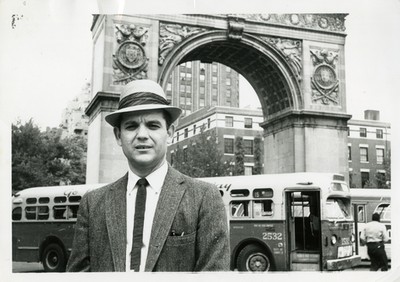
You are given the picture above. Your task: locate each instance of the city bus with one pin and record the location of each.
(367, 201)
(289, 222)
(43, 220)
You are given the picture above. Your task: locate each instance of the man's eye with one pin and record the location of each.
(130, 126)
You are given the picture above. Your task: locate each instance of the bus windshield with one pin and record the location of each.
(338, 208)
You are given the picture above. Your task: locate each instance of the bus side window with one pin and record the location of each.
(75, 199)
(361, 214)
(59, 212)
(61, 199)
(263, 208)
(43, 212)
(240, 209)
(17, 213)
(73, 211)
(30, 213)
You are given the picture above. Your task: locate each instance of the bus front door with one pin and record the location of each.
(304, 232)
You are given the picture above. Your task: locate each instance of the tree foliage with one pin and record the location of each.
(258, 168)
(201, 158)
(384, 180)
(44, 159)
(239, 156)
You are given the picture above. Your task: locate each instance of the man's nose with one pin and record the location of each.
(142, 132)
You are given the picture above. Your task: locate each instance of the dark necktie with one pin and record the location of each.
(137, 239)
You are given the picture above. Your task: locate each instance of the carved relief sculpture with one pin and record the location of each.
(171, 35)
(129, 60)
(327, 22)
(324, 82)
(291, 50)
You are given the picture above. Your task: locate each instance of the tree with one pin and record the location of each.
(44, 159)
(201, 158)
(383, 180)
(257, 156)
(239, 156)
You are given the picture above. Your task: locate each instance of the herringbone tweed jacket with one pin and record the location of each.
(185, 205)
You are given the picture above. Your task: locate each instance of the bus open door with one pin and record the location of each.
(304, 232)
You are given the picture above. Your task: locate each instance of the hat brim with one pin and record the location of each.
(114, 118)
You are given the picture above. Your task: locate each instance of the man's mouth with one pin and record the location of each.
(142, 147)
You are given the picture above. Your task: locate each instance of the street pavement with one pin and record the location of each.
(25, 267)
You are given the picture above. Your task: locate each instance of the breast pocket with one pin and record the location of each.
(178, 253)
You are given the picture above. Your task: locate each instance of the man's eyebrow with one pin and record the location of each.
(153, 121)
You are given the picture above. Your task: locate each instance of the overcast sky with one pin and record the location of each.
(48, 55)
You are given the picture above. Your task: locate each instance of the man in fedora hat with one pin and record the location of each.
(153, 218)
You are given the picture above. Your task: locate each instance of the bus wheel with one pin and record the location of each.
(253, 258)
(53, 258)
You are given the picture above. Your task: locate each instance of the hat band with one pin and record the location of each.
(141, 98)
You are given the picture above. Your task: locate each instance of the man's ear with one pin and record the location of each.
(170, 131)
(117, 134)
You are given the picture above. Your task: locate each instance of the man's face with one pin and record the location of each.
(143, 137)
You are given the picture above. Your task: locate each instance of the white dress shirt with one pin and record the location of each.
(156, 181)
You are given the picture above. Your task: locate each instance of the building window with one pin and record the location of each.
(228, 69)
(214, 80)
(349, 153)
(214, 68)
(228, 121)
(214, 93)
(248, 170)
(364, 154)
(177, 136)
(228, 145)
(208, 123)
(348, 131)
(364, 178)
(201, 90)
(182, 88)
(228, 93)
(202, 77)
(189, 65)
(379, 155)
(228, 81)
(248, 123)
(194, 129)
(201, 102)
(186, 132)
(379, 133)
(185, 154)
(363, 132)
(188, 88)
(248, 147)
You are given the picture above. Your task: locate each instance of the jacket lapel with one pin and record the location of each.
(170, 197)
(116, 221)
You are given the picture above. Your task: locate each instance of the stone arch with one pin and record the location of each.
(270, 75)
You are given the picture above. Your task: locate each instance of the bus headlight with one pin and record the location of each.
(333, 239)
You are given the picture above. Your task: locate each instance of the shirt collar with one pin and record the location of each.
(155, 179)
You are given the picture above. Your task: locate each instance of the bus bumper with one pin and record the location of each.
(343, 263)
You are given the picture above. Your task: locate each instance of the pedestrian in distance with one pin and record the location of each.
(153, 218)
(374, 235)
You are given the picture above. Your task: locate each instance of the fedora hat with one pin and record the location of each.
(142, 95)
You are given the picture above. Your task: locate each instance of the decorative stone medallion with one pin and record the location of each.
(131, 55)
(324, 82)
(129, 60)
